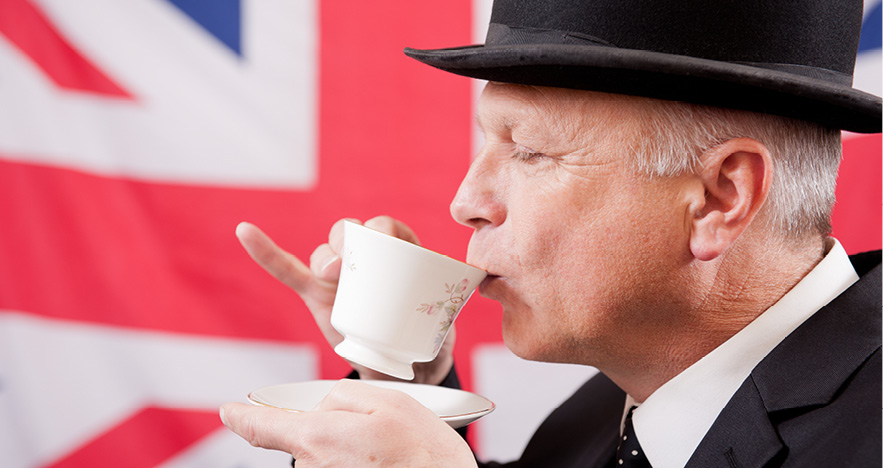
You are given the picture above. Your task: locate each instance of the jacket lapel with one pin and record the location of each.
(742, 436)
(806, 369)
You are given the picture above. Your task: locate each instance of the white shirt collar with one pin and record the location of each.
(674, 419)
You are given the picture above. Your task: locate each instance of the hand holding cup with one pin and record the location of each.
(317, 284)
(396, 301)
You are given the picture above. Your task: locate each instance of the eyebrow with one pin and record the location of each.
(508, 124)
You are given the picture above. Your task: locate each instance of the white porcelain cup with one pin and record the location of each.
(396, 300)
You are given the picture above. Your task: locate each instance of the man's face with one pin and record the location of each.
(580, 249)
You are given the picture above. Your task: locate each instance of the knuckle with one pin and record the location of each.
(335, 235)
(248, 430)
(383, 223)
(320, 256)
(337, 391)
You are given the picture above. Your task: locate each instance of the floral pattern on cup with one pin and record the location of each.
(350, 261)
(450, 305)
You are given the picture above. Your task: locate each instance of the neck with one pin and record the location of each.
(724, 296)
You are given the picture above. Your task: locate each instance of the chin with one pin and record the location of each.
(534, 344)
(527, 343)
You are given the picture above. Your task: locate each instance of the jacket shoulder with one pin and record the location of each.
(582, 431)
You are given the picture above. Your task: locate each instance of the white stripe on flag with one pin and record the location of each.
(63, 383)
(201, 114)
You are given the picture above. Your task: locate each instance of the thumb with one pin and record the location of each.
(260, 426)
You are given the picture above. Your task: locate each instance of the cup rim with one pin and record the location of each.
(353, 223)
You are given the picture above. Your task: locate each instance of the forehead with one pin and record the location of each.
(508, 107)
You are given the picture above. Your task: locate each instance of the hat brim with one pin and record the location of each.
(663, 76)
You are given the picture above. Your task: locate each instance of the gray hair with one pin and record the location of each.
(806, 157)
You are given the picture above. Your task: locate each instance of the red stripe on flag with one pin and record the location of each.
(394, 139)
(148, 438)
(31, 31)
(142, 255)
(857, 215)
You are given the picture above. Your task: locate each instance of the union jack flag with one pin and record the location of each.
(135, 135)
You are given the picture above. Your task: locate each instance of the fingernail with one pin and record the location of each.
(241, 227)
(221, 413)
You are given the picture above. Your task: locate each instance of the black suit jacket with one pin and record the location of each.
(814, 401)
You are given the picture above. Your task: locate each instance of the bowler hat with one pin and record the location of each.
(786, 57)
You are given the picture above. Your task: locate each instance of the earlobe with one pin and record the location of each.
(736, 176)
(707, 242)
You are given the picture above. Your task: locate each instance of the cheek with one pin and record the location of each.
(587, 261)
(586, 252)
(543, 217)
(643, 244)
(555, 249)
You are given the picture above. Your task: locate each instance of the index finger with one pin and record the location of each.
(359, 397)
(393, 227)
(279, 263)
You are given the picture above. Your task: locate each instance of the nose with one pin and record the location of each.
(480, 200)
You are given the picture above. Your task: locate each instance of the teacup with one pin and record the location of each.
(396, 301)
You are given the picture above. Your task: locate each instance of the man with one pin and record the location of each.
(653, 199)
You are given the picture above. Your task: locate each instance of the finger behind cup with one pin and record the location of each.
(396, 301)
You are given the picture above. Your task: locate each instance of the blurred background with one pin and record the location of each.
(135, 135)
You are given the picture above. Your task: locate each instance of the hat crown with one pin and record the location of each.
(793, 58)
(821, 34)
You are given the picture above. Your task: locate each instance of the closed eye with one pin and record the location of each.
(526, 154)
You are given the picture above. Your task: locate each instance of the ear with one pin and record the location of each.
(736, 176)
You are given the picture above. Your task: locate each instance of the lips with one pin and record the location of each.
(490, 287)
(487, 281)
(481, 262)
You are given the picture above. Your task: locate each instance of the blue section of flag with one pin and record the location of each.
(871, 29)
(221, 18)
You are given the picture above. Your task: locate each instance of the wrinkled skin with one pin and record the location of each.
(592, 263)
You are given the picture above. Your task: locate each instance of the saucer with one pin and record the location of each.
(456, 407)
